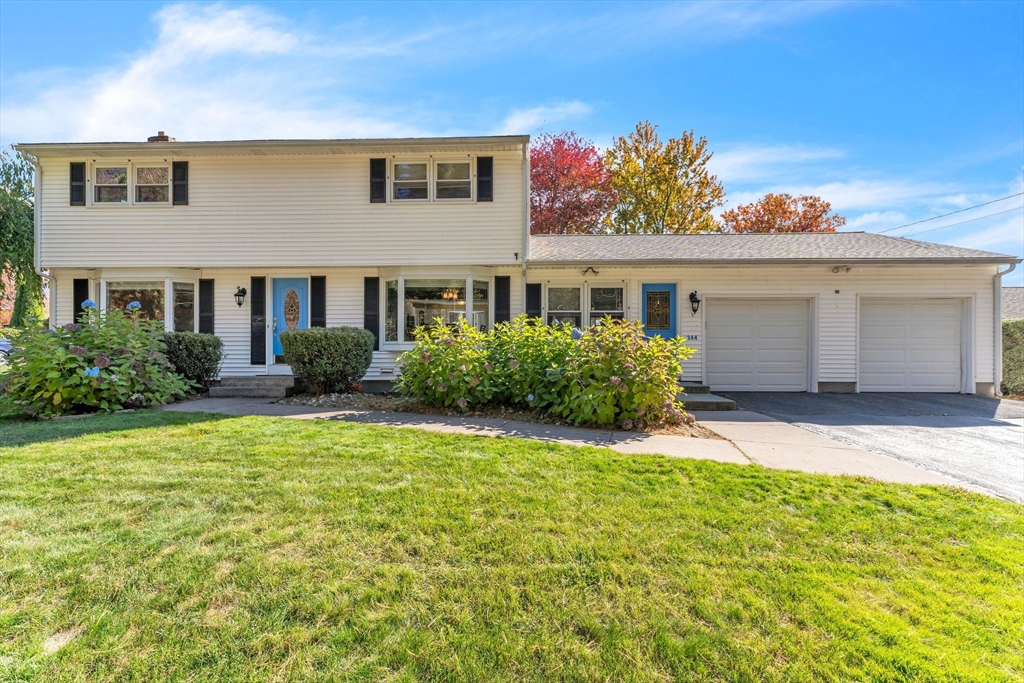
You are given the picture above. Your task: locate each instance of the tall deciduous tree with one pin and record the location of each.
(662, 188)
(569, 191)
(783, 213)
(17, 236)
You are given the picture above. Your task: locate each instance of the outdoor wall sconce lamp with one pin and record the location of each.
(240, 296)
(694, 303)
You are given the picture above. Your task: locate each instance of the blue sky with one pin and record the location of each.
(894, 112)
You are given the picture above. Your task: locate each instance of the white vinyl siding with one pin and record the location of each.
(910, 345)
(283, 211)
(757, 344)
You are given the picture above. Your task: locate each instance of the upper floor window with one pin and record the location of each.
(152, 184)
(111, 185)
(432, 180)
(130, 183)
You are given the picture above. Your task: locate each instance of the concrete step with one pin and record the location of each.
(692, 388)
(286, 381)
(706, 402)
(250, 392)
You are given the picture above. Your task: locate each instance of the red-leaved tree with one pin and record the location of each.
(783, 213)
(569, 189)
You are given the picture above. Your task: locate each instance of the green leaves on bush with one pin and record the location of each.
(1013, 357)
(107, 363)
(195, 356)
(328, 359)
(609, 375)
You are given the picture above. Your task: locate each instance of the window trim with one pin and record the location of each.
(168, 282)
(601, 285)
(402, 344)
(585, 286)
(90, 182)
(431, 162)
(581, 288)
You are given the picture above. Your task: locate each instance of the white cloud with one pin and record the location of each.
(1007, 234)
(876, 220)
(528, 120)
(763, 163)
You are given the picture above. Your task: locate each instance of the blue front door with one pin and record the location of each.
(658, 310)
(291, 295)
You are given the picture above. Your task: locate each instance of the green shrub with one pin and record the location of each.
(111, 362)
(611, 374)
(328, 360)
(195, 356)
(1013, 357)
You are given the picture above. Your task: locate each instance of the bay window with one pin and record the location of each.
(150, 296)
(410, 303)
(184, 306)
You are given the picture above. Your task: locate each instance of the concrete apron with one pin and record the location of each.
(780, 445)
(749, 437)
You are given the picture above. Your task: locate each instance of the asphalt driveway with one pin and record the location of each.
(976, 440)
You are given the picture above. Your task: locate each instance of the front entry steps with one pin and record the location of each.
(264, 386)
(699, 397)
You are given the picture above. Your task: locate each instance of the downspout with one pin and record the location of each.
(526, 210)
(997, 329)
(37, 233)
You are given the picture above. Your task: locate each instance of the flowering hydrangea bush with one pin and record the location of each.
(610, 374)
(102, 363)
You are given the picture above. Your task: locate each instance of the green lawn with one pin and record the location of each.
(161, 546)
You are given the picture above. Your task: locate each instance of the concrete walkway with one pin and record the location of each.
(750, 438)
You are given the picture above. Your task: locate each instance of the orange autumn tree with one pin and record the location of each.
(783, 213)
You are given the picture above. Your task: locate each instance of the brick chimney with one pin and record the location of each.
(161, 137)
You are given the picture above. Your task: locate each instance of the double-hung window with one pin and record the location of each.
(131, 183)
(453, 180)
(606, 302)
(410, 181)
(111, 185)
(433, 180)
(564, 306)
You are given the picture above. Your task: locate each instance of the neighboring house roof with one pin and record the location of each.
(262, 147)
(838, 248)
(1013, 302)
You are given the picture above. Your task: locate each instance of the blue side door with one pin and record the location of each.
(291, 312)
(658, 310)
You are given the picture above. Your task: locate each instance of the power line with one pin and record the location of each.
(976, 206)
(969, 220)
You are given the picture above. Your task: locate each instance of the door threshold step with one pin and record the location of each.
(706, 402)
(692, 388)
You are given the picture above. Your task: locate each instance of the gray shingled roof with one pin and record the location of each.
(844, 247)
(1013, 302)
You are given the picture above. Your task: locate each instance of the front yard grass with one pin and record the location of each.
(168, 546)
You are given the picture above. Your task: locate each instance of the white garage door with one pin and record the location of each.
(757, 344)
(910, 345)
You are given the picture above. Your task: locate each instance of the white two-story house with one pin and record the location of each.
(245, 239)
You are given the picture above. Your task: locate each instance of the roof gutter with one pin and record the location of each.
(543, 263)
(997, 329)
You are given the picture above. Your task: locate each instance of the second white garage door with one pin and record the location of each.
(757, 344)
(910, 345)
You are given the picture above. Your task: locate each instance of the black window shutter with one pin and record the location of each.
(534, 308)
(258, 317)
(318, 301)
(502, 299)
(371, 308)
(78, 185)
(485, 179)
(378, 181)
(180, 178)
(81, 293)
(206, 306)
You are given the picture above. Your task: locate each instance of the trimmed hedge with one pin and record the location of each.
(195, 356)
(328, 359)
(1013, 357)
